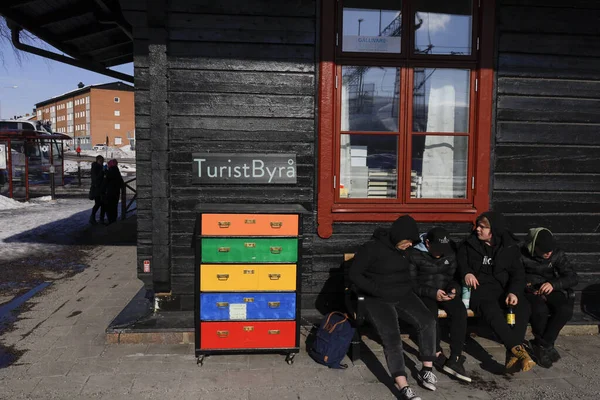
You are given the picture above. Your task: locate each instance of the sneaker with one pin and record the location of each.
(518, 353)
(407, 393)
(427, 379)
(455, 367)
(440, 361)
(553, 354)
(542, 356)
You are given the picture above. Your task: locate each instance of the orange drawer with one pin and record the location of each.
(249, 225)
(247, 335)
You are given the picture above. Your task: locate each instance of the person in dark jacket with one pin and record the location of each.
(548, 273)
(490, 263)
(96, 189)
(381, 271)
(433, 269)
(111, 189)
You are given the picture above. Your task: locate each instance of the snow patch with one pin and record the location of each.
(11, 204)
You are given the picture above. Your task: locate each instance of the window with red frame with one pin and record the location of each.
(405, 107)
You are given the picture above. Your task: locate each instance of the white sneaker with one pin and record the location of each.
(408, 394)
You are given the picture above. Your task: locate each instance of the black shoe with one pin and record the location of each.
(542, 356)
(553, 354)
(440, 361)
(427, 379)
(407, 393)
(455, 367)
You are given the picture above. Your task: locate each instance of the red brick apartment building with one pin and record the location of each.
(92, 113)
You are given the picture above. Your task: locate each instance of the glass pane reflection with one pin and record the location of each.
(443, 27)
(368, 166)
(439, 167)
(376, 29)
(370, 98)
(441, 100)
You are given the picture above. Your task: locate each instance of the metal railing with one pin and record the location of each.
(125, 206)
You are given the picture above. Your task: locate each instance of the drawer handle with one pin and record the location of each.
(222, 277)
(274, 304)
(275, 250)
(224, 224)
(224, 249)
(248, 328)
(274, 332)
(248, 272)
(276, 225)
(250, 245)
(222, 304)
(222, 334)
(274, 277)
(248, 299)
(250, 221)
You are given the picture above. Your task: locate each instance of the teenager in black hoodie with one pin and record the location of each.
(381, 271)
(489, 262)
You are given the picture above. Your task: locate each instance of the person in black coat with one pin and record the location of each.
(548, 273)
(489, 261)
(96, 189)
(433, 270)
(111, 189)
(381, 271)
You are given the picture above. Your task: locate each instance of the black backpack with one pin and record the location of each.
(332, 340)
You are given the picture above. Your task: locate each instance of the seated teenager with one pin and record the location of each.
(381, 271)
(433, 270)
(489, 261)
(548, 273)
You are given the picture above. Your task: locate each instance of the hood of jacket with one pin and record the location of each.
(421, 246)
(383, 235)
(531, 238)
(404, 228)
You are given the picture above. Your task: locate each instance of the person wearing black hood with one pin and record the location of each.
(548, 273)
(381, 271)
(489, 262)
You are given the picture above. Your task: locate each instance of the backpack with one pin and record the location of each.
(332, 340)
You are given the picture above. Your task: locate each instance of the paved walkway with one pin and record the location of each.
(65, 357)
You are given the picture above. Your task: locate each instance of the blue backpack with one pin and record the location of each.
(332, 340)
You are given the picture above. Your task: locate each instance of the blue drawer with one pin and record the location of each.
(242, 306)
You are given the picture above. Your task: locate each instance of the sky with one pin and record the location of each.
(38, 79)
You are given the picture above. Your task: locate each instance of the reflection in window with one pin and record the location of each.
(443, 27)
(439, 167)
(370, 98)
(441, 100)
(368, 166)
(376, 29)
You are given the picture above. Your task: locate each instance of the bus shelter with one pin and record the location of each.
(26, 158)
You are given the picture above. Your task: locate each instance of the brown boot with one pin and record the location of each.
(518, 353)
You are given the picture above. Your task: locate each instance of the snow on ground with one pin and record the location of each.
(111, 152)
(71, 166)
(7, 203)
(41, 226)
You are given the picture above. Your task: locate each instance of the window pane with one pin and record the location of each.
(443, 27)
(375, 29)
(439, 167)
(370, 98)
(441, 100)
(368, 166)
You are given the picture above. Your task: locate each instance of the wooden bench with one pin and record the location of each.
(355, 306)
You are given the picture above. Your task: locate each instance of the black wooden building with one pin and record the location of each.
(299, 76)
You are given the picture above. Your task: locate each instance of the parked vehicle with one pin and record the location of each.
(99, 147)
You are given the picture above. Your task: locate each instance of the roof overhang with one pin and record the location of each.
(92, 33)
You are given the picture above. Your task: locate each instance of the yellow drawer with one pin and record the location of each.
(247, 277)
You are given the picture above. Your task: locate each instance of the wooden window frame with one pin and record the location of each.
(330, 208)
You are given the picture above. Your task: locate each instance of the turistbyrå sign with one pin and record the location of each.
(246, 168)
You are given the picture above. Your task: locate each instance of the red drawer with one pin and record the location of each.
(247, 335)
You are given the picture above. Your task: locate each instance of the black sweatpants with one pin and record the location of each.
(457, 313)
(98, 204)
(549, 316)
(493, 312)
(384, 317)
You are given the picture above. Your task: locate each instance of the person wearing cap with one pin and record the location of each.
(548, 273)
(433, 270)
(489, 262)
(381, 272)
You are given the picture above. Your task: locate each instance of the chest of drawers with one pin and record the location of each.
(247, 279)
